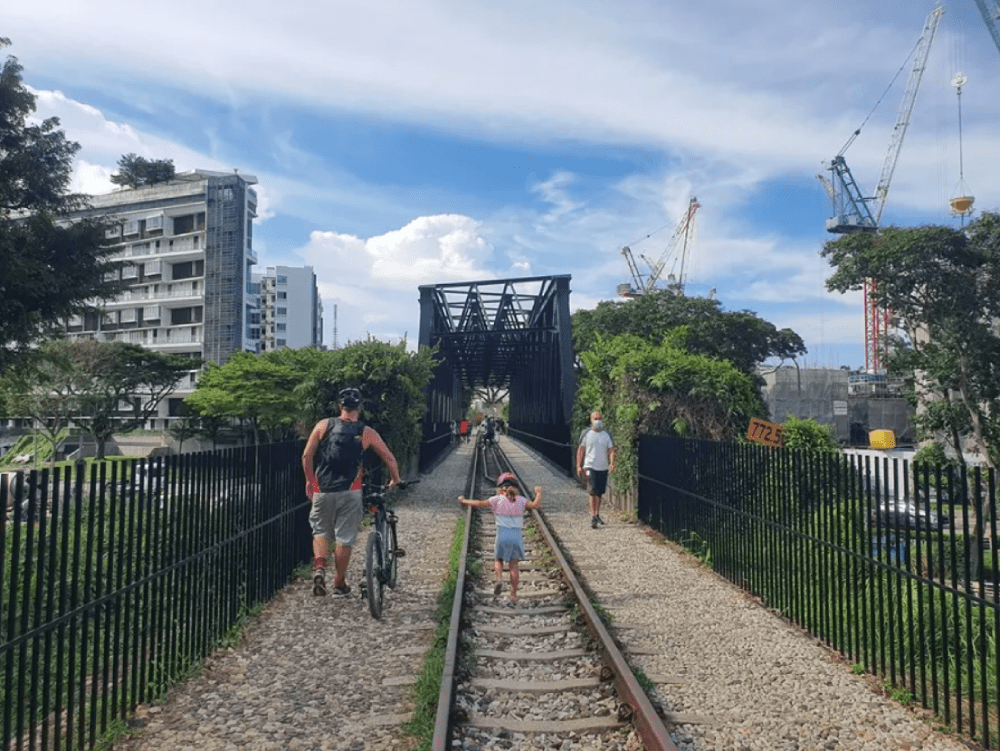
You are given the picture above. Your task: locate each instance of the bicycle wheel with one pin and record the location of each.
(373, 574)
(391, 562)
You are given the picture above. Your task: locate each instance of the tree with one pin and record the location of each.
(392, 382)
(256, 389)
(662, 389)
(119, 386)
(40, 388)
(943, 288)
(187, 426)
(51, 268)
(740, 337)
(136, 171)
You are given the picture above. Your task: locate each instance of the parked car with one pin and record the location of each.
(904, 514)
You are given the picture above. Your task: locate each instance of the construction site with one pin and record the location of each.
(856, 404)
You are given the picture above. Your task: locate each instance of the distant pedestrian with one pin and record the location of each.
(463, 430)
(453, 429)
(508, 509)
(595, 458)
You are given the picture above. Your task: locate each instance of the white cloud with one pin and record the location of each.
(373, 280)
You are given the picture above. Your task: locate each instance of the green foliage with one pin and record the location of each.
(943, 286)
(284, 393)
(661, 389)
(50, 269)
(256, 389)
(391, 381)
(136, 171)
(86, 382)
(740, 337)
(808, 434)
(934, 455)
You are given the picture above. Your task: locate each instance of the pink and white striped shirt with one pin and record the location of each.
(509, 514)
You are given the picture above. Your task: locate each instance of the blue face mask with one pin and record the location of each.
(598, 424)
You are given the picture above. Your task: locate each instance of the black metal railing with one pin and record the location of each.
(121, 576)
(551, 441)
(892, 564)
(438, 438)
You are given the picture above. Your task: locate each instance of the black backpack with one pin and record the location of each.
(339, 457)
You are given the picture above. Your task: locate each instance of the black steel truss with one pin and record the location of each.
(491, 331)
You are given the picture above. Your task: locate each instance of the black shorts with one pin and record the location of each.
(597, 481)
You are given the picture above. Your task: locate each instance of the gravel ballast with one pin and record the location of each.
(320, 673)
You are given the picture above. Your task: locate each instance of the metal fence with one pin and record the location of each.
(877, 558)
(120, 577)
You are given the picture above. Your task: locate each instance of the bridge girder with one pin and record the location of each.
(496, 334)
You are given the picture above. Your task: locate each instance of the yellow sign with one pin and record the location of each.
(766, 432)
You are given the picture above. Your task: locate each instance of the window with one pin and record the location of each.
(152, 267)
(281, 343)
(282, 327)
(282, 295)
(282, 280)
(132, 227)
(154, 223)
(128, 315)
(183, 224)
(185, 315)
(282, 311)
(112, 232)
(151, 313)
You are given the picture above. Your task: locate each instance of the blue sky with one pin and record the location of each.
(406, 143)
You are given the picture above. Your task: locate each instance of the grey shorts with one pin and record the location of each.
(337, 516)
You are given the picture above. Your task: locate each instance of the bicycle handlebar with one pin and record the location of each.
(378, 493)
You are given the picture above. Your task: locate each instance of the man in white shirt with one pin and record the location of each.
(595, 458)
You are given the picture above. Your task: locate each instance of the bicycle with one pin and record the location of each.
(382, 552)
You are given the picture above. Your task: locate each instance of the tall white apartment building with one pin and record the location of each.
(189, 244)
(291, 312)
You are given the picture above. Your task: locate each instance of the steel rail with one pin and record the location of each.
(441, 740)
(644, 716)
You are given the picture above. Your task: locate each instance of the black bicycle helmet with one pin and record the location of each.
(350, 398)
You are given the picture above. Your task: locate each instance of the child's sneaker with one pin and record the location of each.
(319, 582)
(497, 588)
(593, 522)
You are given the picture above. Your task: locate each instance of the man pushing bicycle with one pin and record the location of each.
(332, 465)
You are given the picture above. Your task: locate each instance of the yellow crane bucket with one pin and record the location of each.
(962, 204)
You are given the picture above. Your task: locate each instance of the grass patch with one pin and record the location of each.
(427, 689)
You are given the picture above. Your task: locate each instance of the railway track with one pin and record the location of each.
(543, 673)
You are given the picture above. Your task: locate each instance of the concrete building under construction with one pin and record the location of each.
(853, 404)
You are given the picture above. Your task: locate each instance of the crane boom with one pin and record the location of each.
(906, 110)
(682, 233)
(992, 21)
(853, 211)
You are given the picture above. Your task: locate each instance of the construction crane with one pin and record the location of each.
(992, 20)
(854, 212)
(681, 241)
